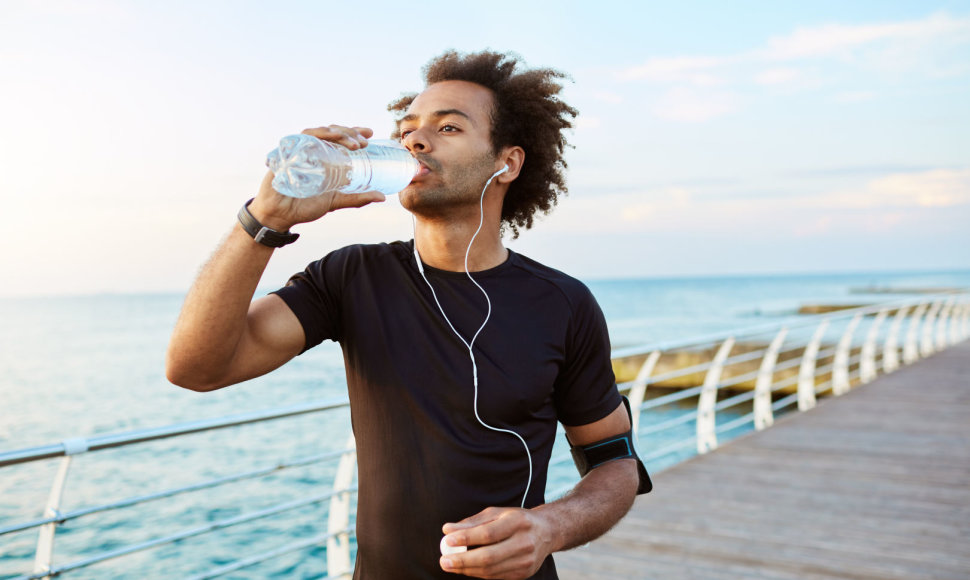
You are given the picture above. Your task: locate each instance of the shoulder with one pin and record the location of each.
(347, 261)
(576, 294)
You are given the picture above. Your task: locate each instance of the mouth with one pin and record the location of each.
(422, 171)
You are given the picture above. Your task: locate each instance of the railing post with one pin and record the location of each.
(966, 320)
(763, 417)
(806, 371)
(867, 364)
(890, 350)
(911, 347)
(942, 323)
(338, 546)
(706, 425)
(44, 554)
(956, 316)
(840, 374)
(639, 388)
(926, 344)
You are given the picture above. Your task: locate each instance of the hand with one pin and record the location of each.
(280, 212)
(510, 543)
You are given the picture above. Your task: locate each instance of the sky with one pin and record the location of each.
(713, 138)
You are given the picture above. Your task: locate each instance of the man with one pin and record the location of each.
(455, 389)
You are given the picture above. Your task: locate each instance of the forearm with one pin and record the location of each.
(591, 508)
(214, 316)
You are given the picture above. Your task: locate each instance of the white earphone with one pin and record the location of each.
(471, 343)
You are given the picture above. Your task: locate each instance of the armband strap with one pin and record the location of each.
(589, 457)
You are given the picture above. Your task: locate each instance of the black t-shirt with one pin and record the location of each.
(423, 457)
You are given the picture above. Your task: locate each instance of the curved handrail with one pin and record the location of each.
(794, 321)
(77, 445)
(946, 322)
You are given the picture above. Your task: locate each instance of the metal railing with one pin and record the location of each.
(779, 367)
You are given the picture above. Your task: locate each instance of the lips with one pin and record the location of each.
(422, 171)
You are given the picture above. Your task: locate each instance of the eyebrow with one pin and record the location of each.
(437, 115)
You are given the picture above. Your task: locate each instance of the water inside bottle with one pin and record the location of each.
(383, 165)
(304, 167)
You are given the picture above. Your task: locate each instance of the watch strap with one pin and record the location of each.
(262, 234)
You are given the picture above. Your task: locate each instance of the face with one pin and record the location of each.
(447, 128)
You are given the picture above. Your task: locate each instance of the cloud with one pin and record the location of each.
(682, 69)
(842, 40)
(810, 57)
(626, 212)
(821, 225)
(693, 106)
(608, 97)
(777, 76)
(925, 189)
(916, 203)
(855, 96)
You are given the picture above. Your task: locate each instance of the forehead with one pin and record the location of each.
(470, 98)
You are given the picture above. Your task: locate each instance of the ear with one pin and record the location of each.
(513, 157)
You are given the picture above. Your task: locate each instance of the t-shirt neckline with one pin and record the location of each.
(493, 271)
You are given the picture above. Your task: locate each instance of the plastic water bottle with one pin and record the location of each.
(305, 166)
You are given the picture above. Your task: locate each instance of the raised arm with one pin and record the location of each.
(222, 336)
(514, 542)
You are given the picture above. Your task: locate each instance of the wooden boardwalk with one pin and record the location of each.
(873, 484)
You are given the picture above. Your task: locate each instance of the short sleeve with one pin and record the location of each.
(585, 389)
(314, 296)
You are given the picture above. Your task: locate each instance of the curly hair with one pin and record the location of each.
(526, 113)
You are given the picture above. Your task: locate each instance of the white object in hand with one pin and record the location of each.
(447, 550)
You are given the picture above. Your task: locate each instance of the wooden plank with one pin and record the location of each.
(873, 484)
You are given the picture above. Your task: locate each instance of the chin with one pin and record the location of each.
(407, 197)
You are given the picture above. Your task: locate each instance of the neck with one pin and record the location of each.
(443, 242)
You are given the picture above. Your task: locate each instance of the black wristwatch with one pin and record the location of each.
(262, 234)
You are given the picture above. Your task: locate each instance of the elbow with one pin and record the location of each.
(187, 376)
(185, 380)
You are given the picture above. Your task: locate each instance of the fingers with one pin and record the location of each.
(515, 557)
(489, 526)
(345, 200)
(349, 137)
(482, 517)
(507, 546)
(281, 212)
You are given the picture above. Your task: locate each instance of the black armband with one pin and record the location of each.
(589, 457)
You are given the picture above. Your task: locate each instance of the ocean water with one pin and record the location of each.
(79, 366)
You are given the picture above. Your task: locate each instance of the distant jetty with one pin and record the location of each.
(897, 290)
(626, 368)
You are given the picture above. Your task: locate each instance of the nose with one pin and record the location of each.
(416, 141)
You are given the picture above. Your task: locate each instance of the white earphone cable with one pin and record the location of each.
(470, 344)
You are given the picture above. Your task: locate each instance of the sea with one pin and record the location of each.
(77, 366)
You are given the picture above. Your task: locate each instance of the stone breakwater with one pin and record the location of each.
(626, 368)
